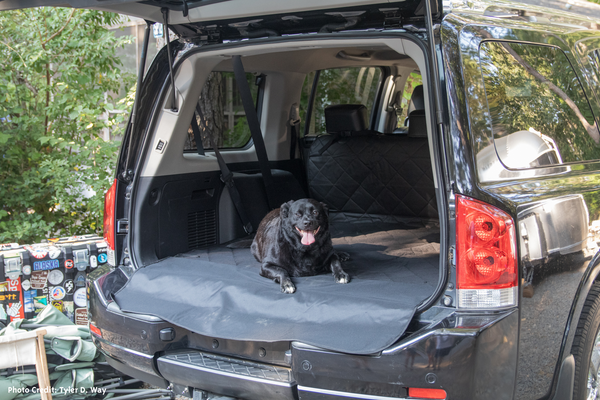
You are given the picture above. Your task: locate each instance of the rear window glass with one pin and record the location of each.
(223, 112)
(357, 85)
(539, 112)
(413, 80)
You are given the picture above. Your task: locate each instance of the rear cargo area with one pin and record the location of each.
(375, 178)
(217, 291)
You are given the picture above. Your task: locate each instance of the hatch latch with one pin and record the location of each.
(392, 18)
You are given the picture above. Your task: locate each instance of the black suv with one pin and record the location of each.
(457, 148)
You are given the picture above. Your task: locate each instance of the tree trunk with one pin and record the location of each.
(211, 101)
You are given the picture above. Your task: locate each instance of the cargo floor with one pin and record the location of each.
(216, 291)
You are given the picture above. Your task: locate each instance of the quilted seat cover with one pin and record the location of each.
(375, 174)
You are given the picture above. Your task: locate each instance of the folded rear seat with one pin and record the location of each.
(355, 170)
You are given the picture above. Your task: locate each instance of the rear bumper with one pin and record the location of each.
(228, 376)
(129, 362)
(469, 356)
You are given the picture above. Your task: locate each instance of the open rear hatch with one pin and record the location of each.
(230, 19)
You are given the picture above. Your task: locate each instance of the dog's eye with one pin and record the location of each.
(298, 215)
(315, 212)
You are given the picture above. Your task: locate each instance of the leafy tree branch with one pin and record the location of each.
(59, 77)
(591, 129)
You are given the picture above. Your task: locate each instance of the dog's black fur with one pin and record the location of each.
(294, 240)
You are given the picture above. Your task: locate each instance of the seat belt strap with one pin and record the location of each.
(294, 122)
(254, 125)
(227, 177)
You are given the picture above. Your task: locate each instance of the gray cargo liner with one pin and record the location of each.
(218, 292)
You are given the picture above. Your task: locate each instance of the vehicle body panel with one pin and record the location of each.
(553, 207)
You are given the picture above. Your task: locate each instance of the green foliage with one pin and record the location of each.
(239, 134)
(413, 80)
(338, 86)
(56, 68)
(344, 86)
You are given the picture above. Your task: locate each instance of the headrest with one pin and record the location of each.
(417, 125)
(417, 100)
(345, 118)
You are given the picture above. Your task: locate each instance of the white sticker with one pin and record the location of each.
(69, 286)
(93, 262)
(80, 298)
(55, 277)
(26, 285)
(57, 293)
(38, 252)
(26, 269)
(54, 252)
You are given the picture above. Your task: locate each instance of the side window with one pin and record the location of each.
(539, 112)
(223, 113)
(413, 80)
(338, 86)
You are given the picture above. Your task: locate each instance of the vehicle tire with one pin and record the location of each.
(586, 348)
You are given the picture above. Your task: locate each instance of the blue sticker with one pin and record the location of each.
(28, 296)
(45, 265)
(80, 279)
(102, 258)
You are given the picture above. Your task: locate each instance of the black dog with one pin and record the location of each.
(294, 240)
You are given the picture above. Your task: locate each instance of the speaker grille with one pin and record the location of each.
(202, 229)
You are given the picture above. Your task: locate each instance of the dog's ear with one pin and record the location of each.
(325, 208)
(284, 210)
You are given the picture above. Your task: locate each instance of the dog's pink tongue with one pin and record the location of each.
(308, 237)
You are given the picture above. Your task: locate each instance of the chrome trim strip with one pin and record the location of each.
(223, 373)
(98, 289)
(136, 353)
(348, 394)
(305, 346)
(115, 309)
(404, 345)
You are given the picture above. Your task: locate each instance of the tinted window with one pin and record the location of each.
(223, 112)
(539, 112)
(339, 86)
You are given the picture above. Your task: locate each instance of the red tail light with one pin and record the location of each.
(487, 275)
(109, 220)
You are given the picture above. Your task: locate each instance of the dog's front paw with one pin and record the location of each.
(343, 256)
(287, 286)
(341, 277)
